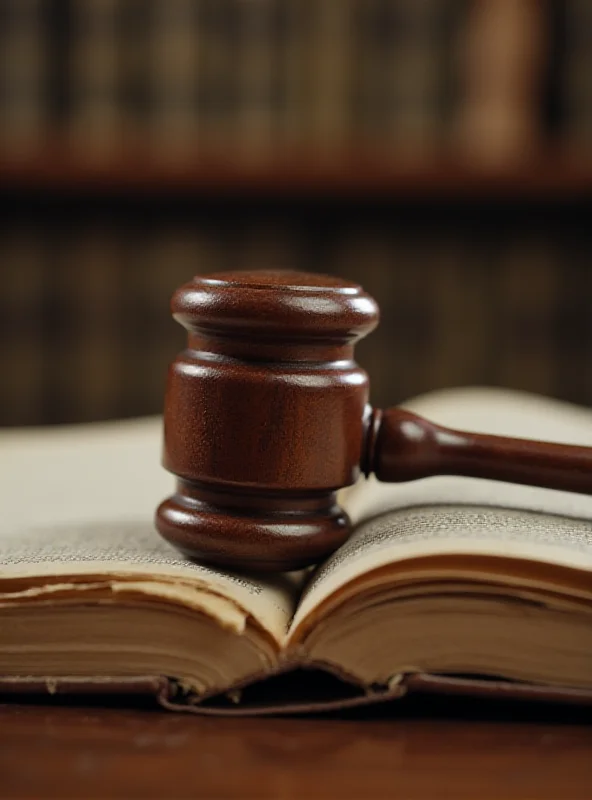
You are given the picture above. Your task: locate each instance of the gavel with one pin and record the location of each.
(266, 417)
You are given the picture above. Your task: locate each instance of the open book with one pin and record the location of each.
(448, 584)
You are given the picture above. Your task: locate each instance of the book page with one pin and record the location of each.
(468, 516)
(80, 500)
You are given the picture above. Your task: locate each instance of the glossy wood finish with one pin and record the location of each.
(264, 416)
(267, 416)
(406, 447)
(54, 752)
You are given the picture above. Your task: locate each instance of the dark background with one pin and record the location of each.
(440, 153)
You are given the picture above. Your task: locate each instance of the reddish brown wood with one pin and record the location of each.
(266, 417)
(92, 753)
(404, 446)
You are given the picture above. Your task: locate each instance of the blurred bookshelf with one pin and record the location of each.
(423, 96)
(409, 144)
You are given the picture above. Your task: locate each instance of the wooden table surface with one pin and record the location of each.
(435, 750)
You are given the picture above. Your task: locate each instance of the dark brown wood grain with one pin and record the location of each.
(267, 416)
(90, 752)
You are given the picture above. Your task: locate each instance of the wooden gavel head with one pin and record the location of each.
(267, 416)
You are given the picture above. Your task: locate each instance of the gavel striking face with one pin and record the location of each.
(266, 417)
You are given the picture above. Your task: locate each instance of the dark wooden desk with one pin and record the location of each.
(92, 752)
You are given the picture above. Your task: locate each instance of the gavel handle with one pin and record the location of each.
(402, 446)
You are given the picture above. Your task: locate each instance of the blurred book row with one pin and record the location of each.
(86, 330)
(253, 77)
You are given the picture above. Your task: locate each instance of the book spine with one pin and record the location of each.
(206, 47)
(24, 313)
(503, 60)
(460, 309)
(255, 32)
(453, 24)
(220, 66)
(156, 263)
(265, 246)
(570, 320)
(369, 46)
(400, 55)
(328, 76)
(529, 280)
(174, 75)
(87, 381)
(380, 354)
(133, 29)
(578, 76)
(292, 52)
(95, 118)
(23, 52)
(414, 76)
